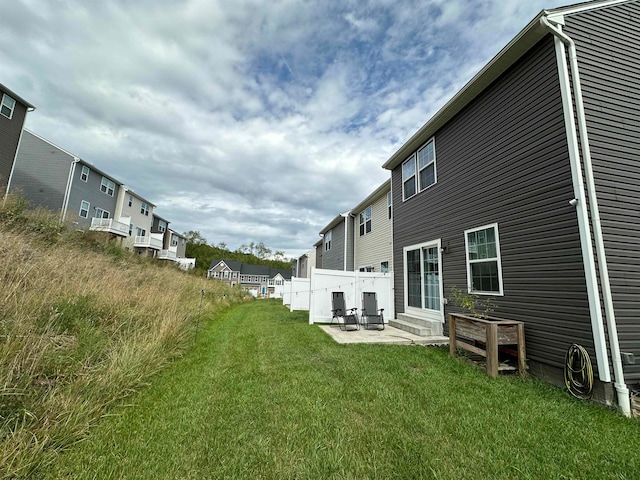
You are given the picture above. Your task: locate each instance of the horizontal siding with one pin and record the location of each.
(41, 172)
(90, 192)
(375, 246)
(9, 136)
(504, 159)
(334, 259)
(608, 44)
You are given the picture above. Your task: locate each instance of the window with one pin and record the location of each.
(84, 175)
(484, 270)
(107, 186)
(130, 200)
(130, 229)
(427, 165)
(100, 213)
(7, 106)
(425, 161)
(84, 209)
(140, 232)
(162, 226)
(365, 221)
(409, 177)
(327, 240)
(389, 204)
(366, 269)
(144, 209)
(384, 267)
(423, 283)
(174, 241)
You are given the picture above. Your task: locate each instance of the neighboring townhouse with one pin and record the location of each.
(13, 112)
(139, 212)
(161, 226)
(304, 264)
(524, 187)
(176, 250)
(53, 178)
(260, 280)
(373, 232)
(337, 243)
(318, 249)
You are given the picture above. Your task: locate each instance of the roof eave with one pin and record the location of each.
(17, 97)
(509, 55)
(377, 193)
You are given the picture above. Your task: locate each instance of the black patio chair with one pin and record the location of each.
(371, 314)
(349, 316)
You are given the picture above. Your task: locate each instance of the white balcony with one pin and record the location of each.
(150, 241)
(167, 255)
(109, 225)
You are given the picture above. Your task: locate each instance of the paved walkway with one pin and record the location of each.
(389, 336)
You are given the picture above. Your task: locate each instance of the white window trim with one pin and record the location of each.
(2, 104)
(363, 216)
(81, 209)
(108, 185)
(435, 167)
(468, 261)
(423, 312)
(103, 212)
(85, 173)
(388, 268)
(389, 205)
(363, 268)
(327, 240)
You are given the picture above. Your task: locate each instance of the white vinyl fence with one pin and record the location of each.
(300, 288)
(352, 284)
(286, 293)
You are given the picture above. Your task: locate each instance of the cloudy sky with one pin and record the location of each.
(247, 120)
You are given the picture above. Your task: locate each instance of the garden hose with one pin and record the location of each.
(578, 373)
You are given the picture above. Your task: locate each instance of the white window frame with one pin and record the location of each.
(327, 240)
(130, 200)
(107, 186)
(423, 312)
(409, 161)
(6, 104)
(384, 267)
(431, 142)
(84, 174)
(174, 241)
(86, 209)
(497, 259)
(102, 213)
(162, 226)
(130, 229)
(365, 220)
(141, 232)
(367, 268)
(144, 209)
(389, 204)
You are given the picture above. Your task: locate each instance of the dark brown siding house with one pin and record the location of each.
(13, 112)
(525, 187)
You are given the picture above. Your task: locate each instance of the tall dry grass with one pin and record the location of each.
(83, 324)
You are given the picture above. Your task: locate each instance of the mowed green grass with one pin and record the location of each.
(265, 395)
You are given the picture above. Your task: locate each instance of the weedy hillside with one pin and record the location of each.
(83, 324)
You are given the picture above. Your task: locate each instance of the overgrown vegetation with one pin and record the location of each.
(469, 301)
(265, 395)
(83, 324)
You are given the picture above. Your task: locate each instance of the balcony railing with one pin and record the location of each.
(167, 255)
(148, 242)
(109, 225)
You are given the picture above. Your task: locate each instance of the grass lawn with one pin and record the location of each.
(265, 395)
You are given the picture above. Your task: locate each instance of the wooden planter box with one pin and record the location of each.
(493, 333)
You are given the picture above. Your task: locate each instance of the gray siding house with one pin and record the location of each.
(337, 244)
(13, 112)
(525, 187)
(53, 178)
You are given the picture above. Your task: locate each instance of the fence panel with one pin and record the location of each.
(286, 293)
(299, 293)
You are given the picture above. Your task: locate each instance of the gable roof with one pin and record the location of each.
(234, 265)
(509, 55)
(377, 193)
(17, 97)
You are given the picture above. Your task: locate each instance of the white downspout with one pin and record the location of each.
(67, 192)
(346, 238)
(620, 386)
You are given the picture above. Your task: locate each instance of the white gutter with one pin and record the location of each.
(346, 237)
(599, 337)
(67, 192)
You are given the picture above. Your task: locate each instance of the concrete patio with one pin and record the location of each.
(389, 336)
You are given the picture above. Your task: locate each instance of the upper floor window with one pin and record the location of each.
(100, 213)
(365, 221)
(8, 106)
(141, 232)
(384, 267)
(130, 200)
(162, 225)
(427, 165)
(389, 204)
(144, 209)
(174, 241)
(84, 209)
(484, 270)
(130, 229)
(107, 186)
(84, 175)
(327, 240)
(423, 162)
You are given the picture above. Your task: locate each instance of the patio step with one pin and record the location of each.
(417, 326)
